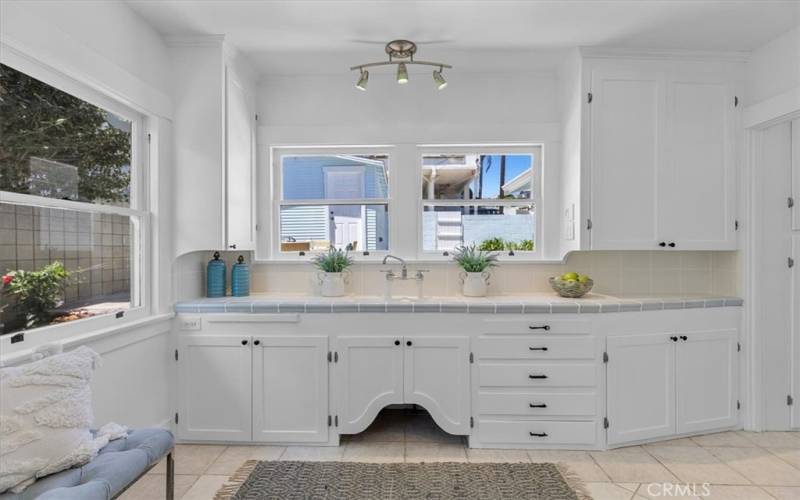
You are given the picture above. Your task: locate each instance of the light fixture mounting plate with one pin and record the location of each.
(401, 49)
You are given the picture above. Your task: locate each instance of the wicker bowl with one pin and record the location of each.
(572, 289)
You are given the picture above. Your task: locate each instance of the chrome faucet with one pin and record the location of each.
(419, 276)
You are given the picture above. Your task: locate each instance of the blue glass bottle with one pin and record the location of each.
(240, 278)
(215, 277)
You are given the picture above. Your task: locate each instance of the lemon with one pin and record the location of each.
(583, 278)
(569, 276)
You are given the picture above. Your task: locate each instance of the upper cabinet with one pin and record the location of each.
(214, 146)
(659, 155)
(794, 200)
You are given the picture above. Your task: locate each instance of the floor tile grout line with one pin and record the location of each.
(594, 461)
(768, 450)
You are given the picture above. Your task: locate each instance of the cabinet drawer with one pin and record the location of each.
(537, 375)
(504, 326)
(538, 347)
(537, 404)
(536, 432)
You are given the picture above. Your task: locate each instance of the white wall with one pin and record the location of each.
(108, 48)
(571, 103)
(774, 68)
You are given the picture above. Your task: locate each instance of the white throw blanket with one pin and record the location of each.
(45, 417)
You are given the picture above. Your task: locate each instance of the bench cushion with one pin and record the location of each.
(116, 466)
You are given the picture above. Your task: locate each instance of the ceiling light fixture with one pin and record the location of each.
(403, 50)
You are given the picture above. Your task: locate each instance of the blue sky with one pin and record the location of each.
(515, 165)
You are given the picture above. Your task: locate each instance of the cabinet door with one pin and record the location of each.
(240, 165)
(706, 381)
(796, 174)
(697, 182)
(214, 384)
(626, 124)
(290, 389)
(640, 385)
(795, 311)
(369, 376)
(436, 373)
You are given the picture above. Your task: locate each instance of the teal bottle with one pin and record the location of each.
(240, 278)
(215, 277)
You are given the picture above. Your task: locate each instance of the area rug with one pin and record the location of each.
(369, 481)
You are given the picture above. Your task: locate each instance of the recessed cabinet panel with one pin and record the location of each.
(503, 374)
(437, 378)
(796, 174)
(239, 174)
(369, 376)
(290, 389)
(640, 379)
(536, 347)
(706, 380)
(796, 330)
(626, 124)
(697, 181)
(214, 373)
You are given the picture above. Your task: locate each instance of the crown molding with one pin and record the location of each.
(671, 54)
(194, 40)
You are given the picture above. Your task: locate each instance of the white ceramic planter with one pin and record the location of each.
(474, 284)
(333, 284)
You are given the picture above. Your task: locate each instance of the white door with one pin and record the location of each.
(706, 387)
(214, 384)
(290, 389)
(796, 330)
(626, 124)
(369, 376)
(640, 386)
(240, 164)
(437, 378)
(697, 180)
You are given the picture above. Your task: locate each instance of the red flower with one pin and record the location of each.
(7, 278)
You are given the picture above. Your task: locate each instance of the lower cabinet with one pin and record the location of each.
(672, 383)
(373, 372)
(253, 388)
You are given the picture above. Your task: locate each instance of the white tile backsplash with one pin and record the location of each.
(614, 273)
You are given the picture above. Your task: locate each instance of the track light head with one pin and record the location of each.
(439, 79)
(362, 80)
(402, 73)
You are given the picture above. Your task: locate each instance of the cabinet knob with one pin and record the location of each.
(673, 338)
(244, 342)
(684, 337)
(672, 244)
(396, 342)
(408, 343)
(662, 244)
(256, 342)
(538, 434)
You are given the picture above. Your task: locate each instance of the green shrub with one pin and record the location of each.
(474, 260)
(332, 261)
(37, 293)
(492, 245)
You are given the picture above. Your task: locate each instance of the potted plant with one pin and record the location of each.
(36, 293)
(475, 264)
(333, 274)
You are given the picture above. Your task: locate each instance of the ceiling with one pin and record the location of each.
(321, 36)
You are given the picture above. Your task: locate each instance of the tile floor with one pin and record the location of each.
(738, 465)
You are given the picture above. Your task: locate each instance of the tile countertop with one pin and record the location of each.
(541, 303)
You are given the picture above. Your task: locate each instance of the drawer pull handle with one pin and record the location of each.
(537, 376)
(538, 434)
(545, 328)
(538, 405)
(538, 348)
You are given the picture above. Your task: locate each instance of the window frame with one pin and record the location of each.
(535, 150)
(138, 211)
(277, 153)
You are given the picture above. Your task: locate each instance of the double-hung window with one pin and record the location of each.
(73, 221)
(487, 196)
(330, 197)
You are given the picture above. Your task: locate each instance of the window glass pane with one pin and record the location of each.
(94, 250)
(335, 177)
(489, 227)
(55, 145)
(347, 227)
(476, 177)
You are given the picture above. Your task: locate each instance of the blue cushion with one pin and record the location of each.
(116, 466)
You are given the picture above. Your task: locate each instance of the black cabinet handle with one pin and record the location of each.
(256, 342)
(537, 405)
(684, 337)
(408, 343)
(244, 342)
(538, 348)
(662, 244)
(396, 342)
(672, 244)
(538, 434)
(674, 339)
(545, 328)
(232, 246)
(537, 376)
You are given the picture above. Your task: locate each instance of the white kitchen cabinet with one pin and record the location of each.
(214, 376)
(640, 386)
(661, 157)
(369, 376)
(436, 377)
(796, 174)
(706, 371)
(290, 389)
(671, 383)
(627, 113)
(795, 297)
